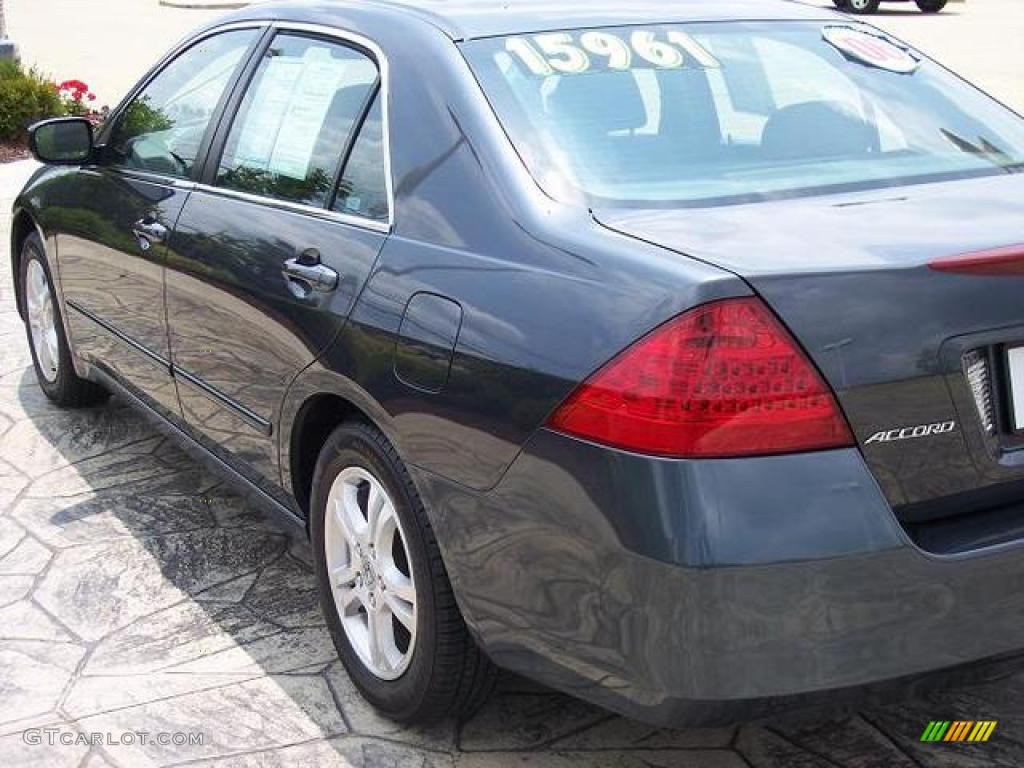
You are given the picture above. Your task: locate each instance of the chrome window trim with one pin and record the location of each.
(139, 175)
(359, 222)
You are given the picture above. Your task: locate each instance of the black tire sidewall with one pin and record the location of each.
(931, 6)
(359, 445)
(872, 7)
(32, 250)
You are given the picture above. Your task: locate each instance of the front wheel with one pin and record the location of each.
(383, 588)
(931, 6)
(862, 6)
(51, 355)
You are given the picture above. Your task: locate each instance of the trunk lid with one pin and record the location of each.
(849, 275)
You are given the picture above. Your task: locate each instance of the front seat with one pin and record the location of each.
(817, 129)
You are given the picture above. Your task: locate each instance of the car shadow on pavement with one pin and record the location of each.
(138, 592)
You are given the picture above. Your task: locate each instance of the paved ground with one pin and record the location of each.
(137, 593)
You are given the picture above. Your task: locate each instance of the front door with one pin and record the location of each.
(268, 257)
(115, 216)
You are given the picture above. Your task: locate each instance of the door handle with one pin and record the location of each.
(315, 275)
(149, 232)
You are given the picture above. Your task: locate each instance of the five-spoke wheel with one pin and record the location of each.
(383, 586)
(41, 309)
(368, 563)
(41, 321)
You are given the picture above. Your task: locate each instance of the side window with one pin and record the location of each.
(363, 189)
(296, 119)
(162, 128)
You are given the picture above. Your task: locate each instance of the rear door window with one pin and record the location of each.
(297, 120)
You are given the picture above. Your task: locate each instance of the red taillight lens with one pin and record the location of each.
(995, 261)
(724, 379)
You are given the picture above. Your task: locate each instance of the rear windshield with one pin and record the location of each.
(718, 113)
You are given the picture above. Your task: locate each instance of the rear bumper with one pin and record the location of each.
(677, 591)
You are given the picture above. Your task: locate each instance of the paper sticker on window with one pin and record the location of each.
(307, 109)
(873, 50)
(576, 53)
(267, 110)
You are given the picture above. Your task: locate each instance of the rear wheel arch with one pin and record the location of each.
(314, 421)
(320, 401)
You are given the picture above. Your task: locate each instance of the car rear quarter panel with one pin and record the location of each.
(546, 294)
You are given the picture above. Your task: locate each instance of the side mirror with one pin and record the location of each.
(61, 141)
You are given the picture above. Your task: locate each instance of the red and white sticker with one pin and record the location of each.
(874, 50)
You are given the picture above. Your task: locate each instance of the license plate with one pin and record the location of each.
(1015, 365)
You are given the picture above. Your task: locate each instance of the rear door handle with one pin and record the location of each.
(317, 276)
(149, 232)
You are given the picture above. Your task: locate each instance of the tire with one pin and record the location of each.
(931, 6)
(862, 6)
(842, 5)
(51, 355)
(439, 671)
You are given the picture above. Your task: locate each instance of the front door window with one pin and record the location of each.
(162, 129)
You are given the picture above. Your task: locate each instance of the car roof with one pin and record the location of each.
(469, 19)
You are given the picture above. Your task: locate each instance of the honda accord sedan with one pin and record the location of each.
(669, 353)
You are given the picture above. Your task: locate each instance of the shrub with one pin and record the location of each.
(25, 97)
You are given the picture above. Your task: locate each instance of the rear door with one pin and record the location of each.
(113, 218)
(268, 255)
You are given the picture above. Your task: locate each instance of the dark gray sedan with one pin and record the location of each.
(669, 353)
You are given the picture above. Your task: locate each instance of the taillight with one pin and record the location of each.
(724, 379)
(1008, 260)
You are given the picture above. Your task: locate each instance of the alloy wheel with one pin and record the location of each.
(42, 320)
(370, 574)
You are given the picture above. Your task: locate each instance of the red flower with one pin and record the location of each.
(75, 89)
